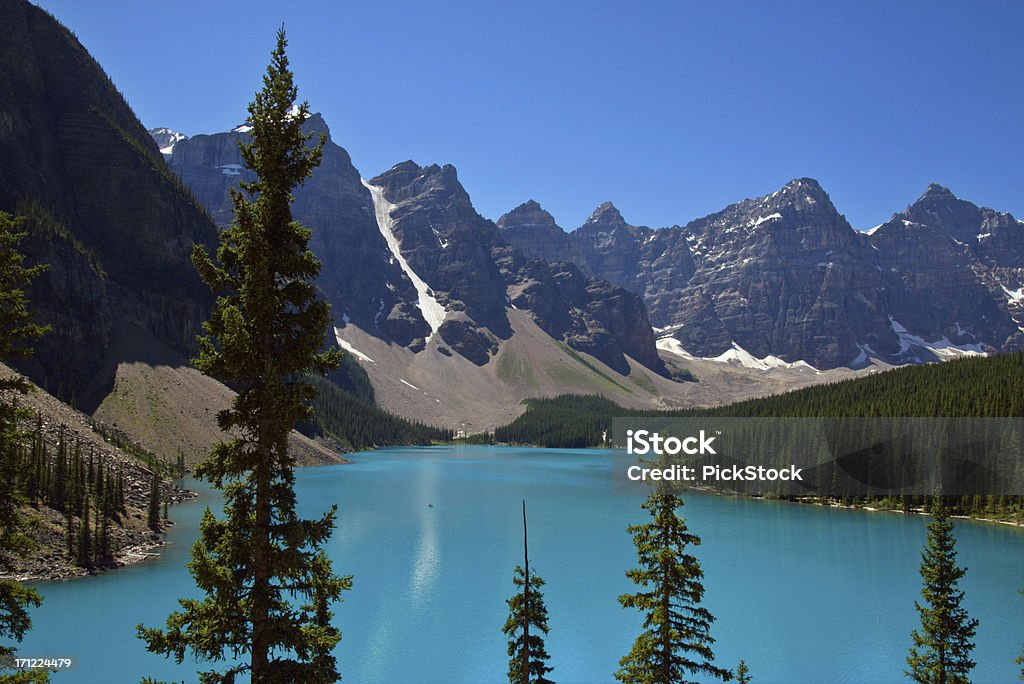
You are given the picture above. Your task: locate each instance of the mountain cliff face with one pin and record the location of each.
(954, 271)
(406, 258)
(359, 276)
(115, 226)
(786, 276)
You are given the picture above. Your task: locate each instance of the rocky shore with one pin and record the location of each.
(131, 539)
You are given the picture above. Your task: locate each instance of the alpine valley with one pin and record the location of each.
(456, 319)
(466, 339)
(451, 319)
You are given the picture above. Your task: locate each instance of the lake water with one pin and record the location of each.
(802, 593)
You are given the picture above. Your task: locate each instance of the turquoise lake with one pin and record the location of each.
(802, 593)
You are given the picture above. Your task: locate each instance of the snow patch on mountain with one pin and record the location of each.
(863, 358)
(666, 331)
(1014, 296)
(674, 346)
(737, 355)
(764, 219)
(440, 240)
(942, 348)
(166, 138)
(431, 309)
(347, 346)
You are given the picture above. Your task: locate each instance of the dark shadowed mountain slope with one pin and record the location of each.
(115, 226)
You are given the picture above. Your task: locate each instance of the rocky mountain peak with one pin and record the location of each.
(166, 138)
(936, 192)
(942, 211)
(400, 175)
(534, 231)
(529, 214)
(803, 191)
(606, 214)
(806, 184)
(315, 124)
(408, 179)
(406, 167)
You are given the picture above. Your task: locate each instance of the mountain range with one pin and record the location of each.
(456, 318)
(785, 276)
(469, 325)
(780, 283)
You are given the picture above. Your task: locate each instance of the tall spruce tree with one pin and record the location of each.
(268, 583)
(676, 639)
(153, 510)
(16, 332)
(83, 554)
(941, 653)
(528, 656)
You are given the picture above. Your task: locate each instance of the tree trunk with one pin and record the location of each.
(526, 605)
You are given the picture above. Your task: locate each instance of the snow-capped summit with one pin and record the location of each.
(166, 138)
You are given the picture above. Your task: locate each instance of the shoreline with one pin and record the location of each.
(47, 562)
(914, 511)
(124, 558)
(139, 553)
(870, 509)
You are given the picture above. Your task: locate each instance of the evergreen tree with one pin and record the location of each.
(16, 330)
(98, 486)
(527, 654)
(58, 496)
(103, 542)
(743, 673)
(83, 557)
(267, 581)
(69, 534)
(119, 490)
(676, 640)
(941, 653)
(77, 481)
(16, 326)
(153, 514)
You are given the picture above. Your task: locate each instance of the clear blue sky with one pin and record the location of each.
(671, 110)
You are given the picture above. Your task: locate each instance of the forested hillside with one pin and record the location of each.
(357, 423)
(990, 386)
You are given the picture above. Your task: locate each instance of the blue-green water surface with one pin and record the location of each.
(802, 593)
